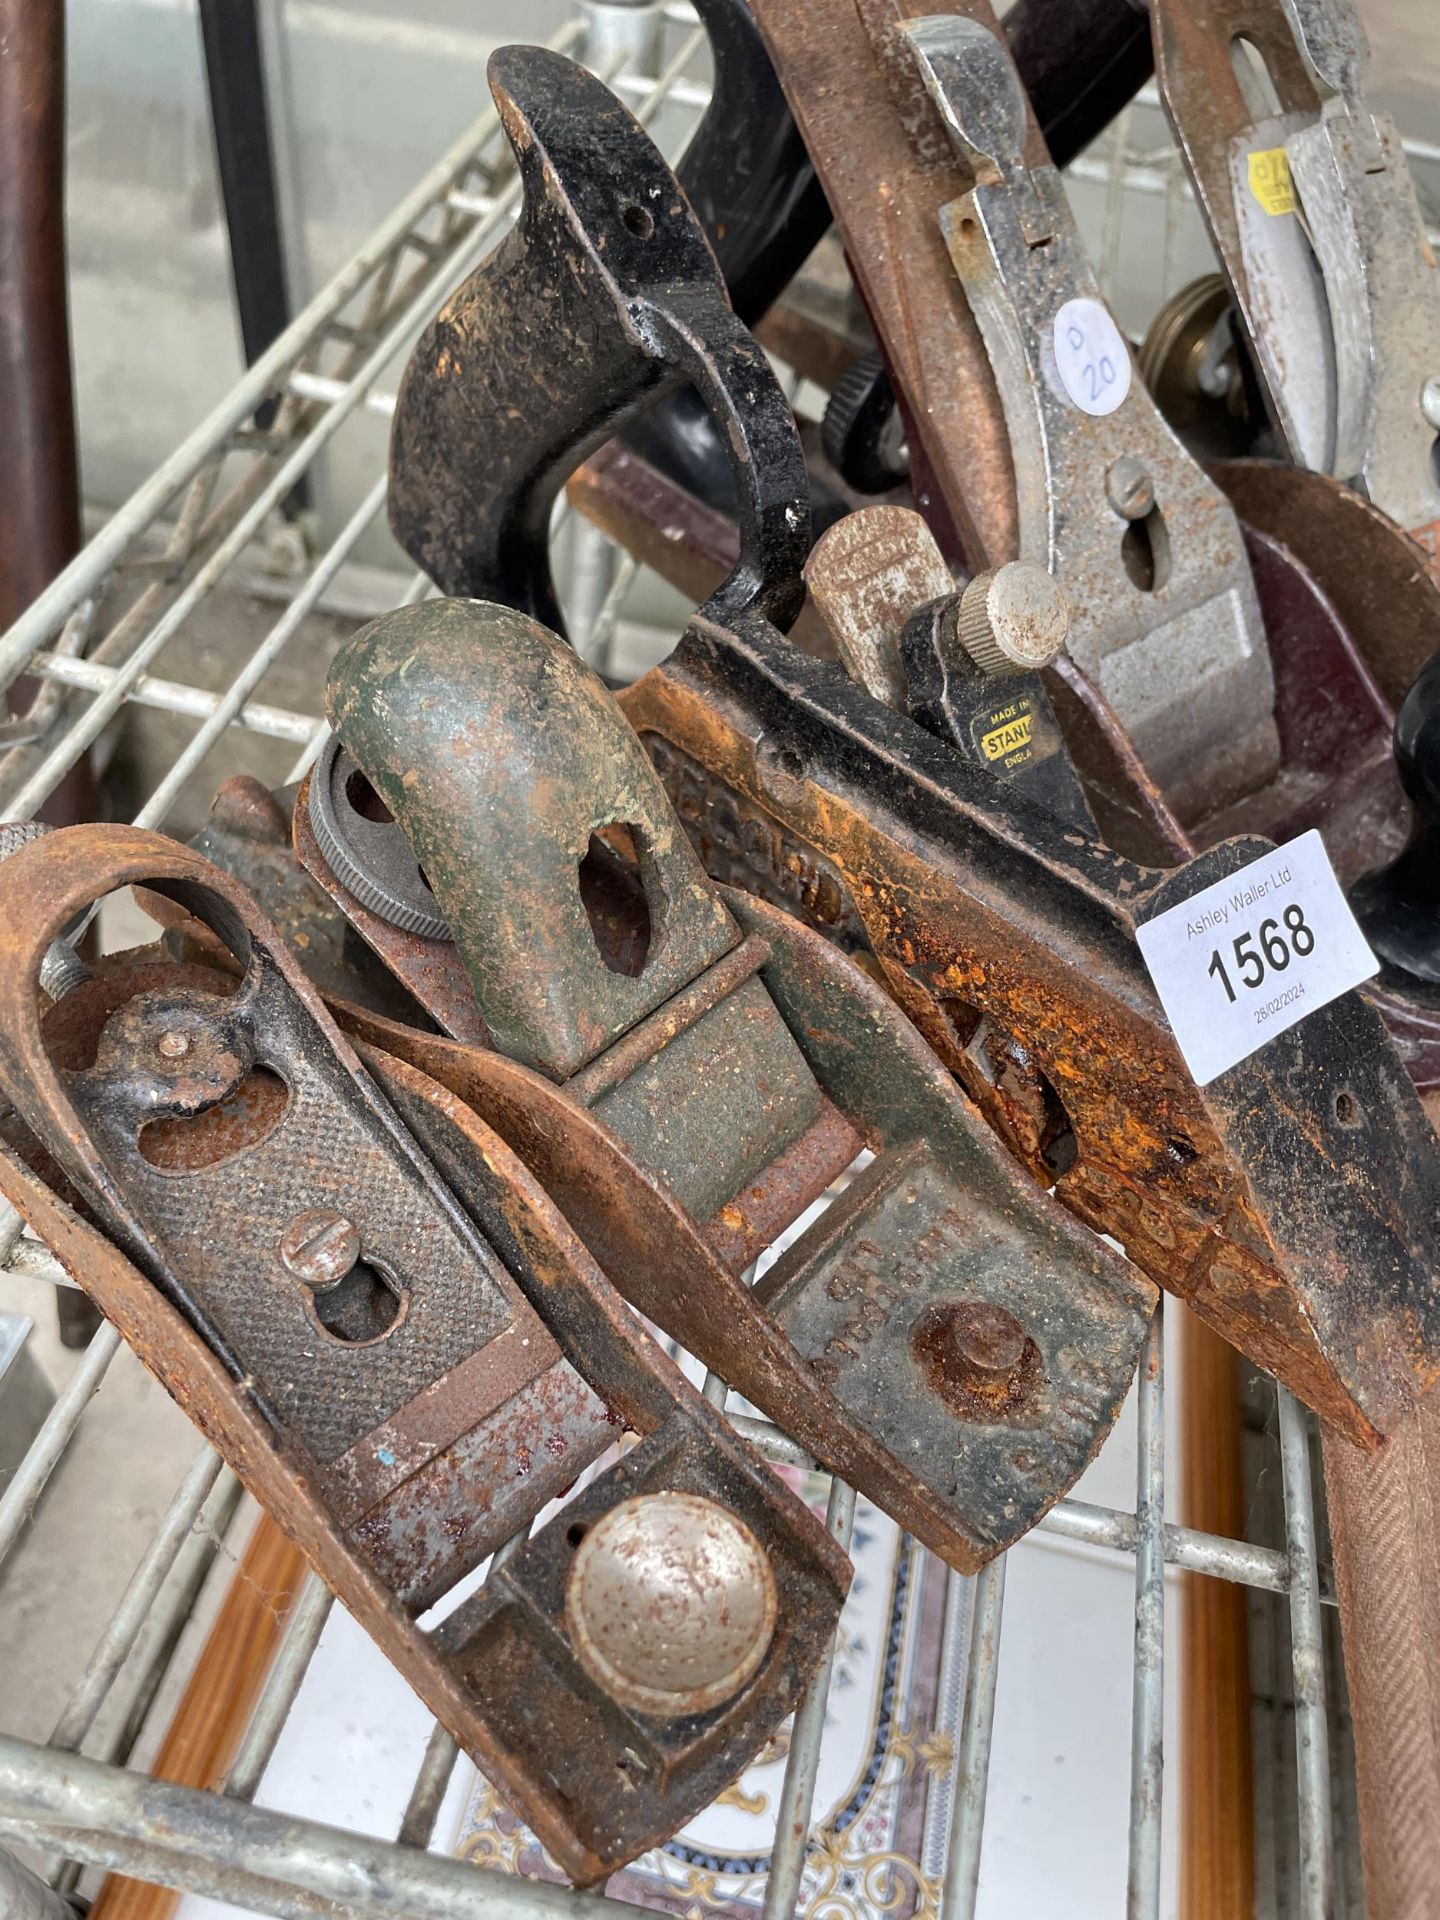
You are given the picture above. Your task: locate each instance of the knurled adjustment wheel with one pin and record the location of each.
(366, 849)
(861, 432)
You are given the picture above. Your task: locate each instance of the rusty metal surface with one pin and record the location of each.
(743, 1079)
(643, 1236)
(631, 289)
(1333, 724)
(1336, 770)
(694, 547)
(399, 1414)
(429, 972)
(200, 1128)
(39, 479)
(619, 1780)
(753, 186)
(745, 169)
(39, 471)
(248, 835)
(502, 764)
(888, 171)
(977, 908)
(897, 1100)
(941, 1193)
(1310, 1249)
(1209, 728)
(866, 575)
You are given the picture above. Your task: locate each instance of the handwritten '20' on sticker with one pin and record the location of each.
(1251, 955)
(1091, 356)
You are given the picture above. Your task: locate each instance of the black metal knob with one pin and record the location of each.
(1399, 906)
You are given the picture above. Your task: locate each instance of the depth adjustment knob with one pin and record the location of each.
(1012, 619)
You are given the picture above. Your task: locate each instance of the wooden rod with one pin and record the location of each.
(1217, 1820)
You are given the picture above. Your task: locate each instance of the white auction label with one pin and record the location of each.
(1244, 959)
(1091, 356)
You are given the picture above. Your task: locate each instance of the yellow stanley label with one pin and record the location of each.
(1008, 739)
(1270, 180)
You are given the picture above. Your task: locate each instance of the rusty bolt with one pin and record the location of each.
(1129, 488)
(319, 1247)
(987, 1346)
(173, 1044)
(670, 1603)
(1014, 619)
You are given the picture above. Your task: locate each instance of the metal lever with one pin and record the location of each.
(964, 662)
(1164, 616)
(1314, 215)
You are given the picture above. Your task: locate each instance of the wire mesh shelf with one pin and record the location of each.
(94, 642)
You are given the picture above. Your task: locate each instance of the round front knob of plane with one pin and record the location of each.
(1398, 907)
(670, 1603)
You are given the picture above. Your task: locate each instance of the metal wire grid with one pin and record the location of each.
(214, 497)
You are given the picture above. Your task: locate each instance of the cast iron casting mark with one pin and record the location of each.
(717, 1069)
(1292, 1202)
(405, 1351)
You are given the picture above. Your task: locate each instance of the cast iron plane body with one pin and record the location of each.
(372, 1309)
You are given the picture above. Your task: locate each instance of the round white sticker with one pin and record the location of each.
(1091, 356)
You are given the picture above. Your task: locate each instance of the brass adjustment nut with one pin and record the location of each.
(1012, 619)
(670, 1603)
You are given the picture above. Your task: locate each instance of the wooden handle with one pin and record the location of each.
(1217, 1837)
(1385, 1526)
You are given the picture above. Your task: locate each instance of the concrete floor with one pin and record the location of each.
(130, 1454)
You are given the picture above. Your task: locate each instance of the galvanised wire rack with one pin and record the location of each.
(190, 529)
